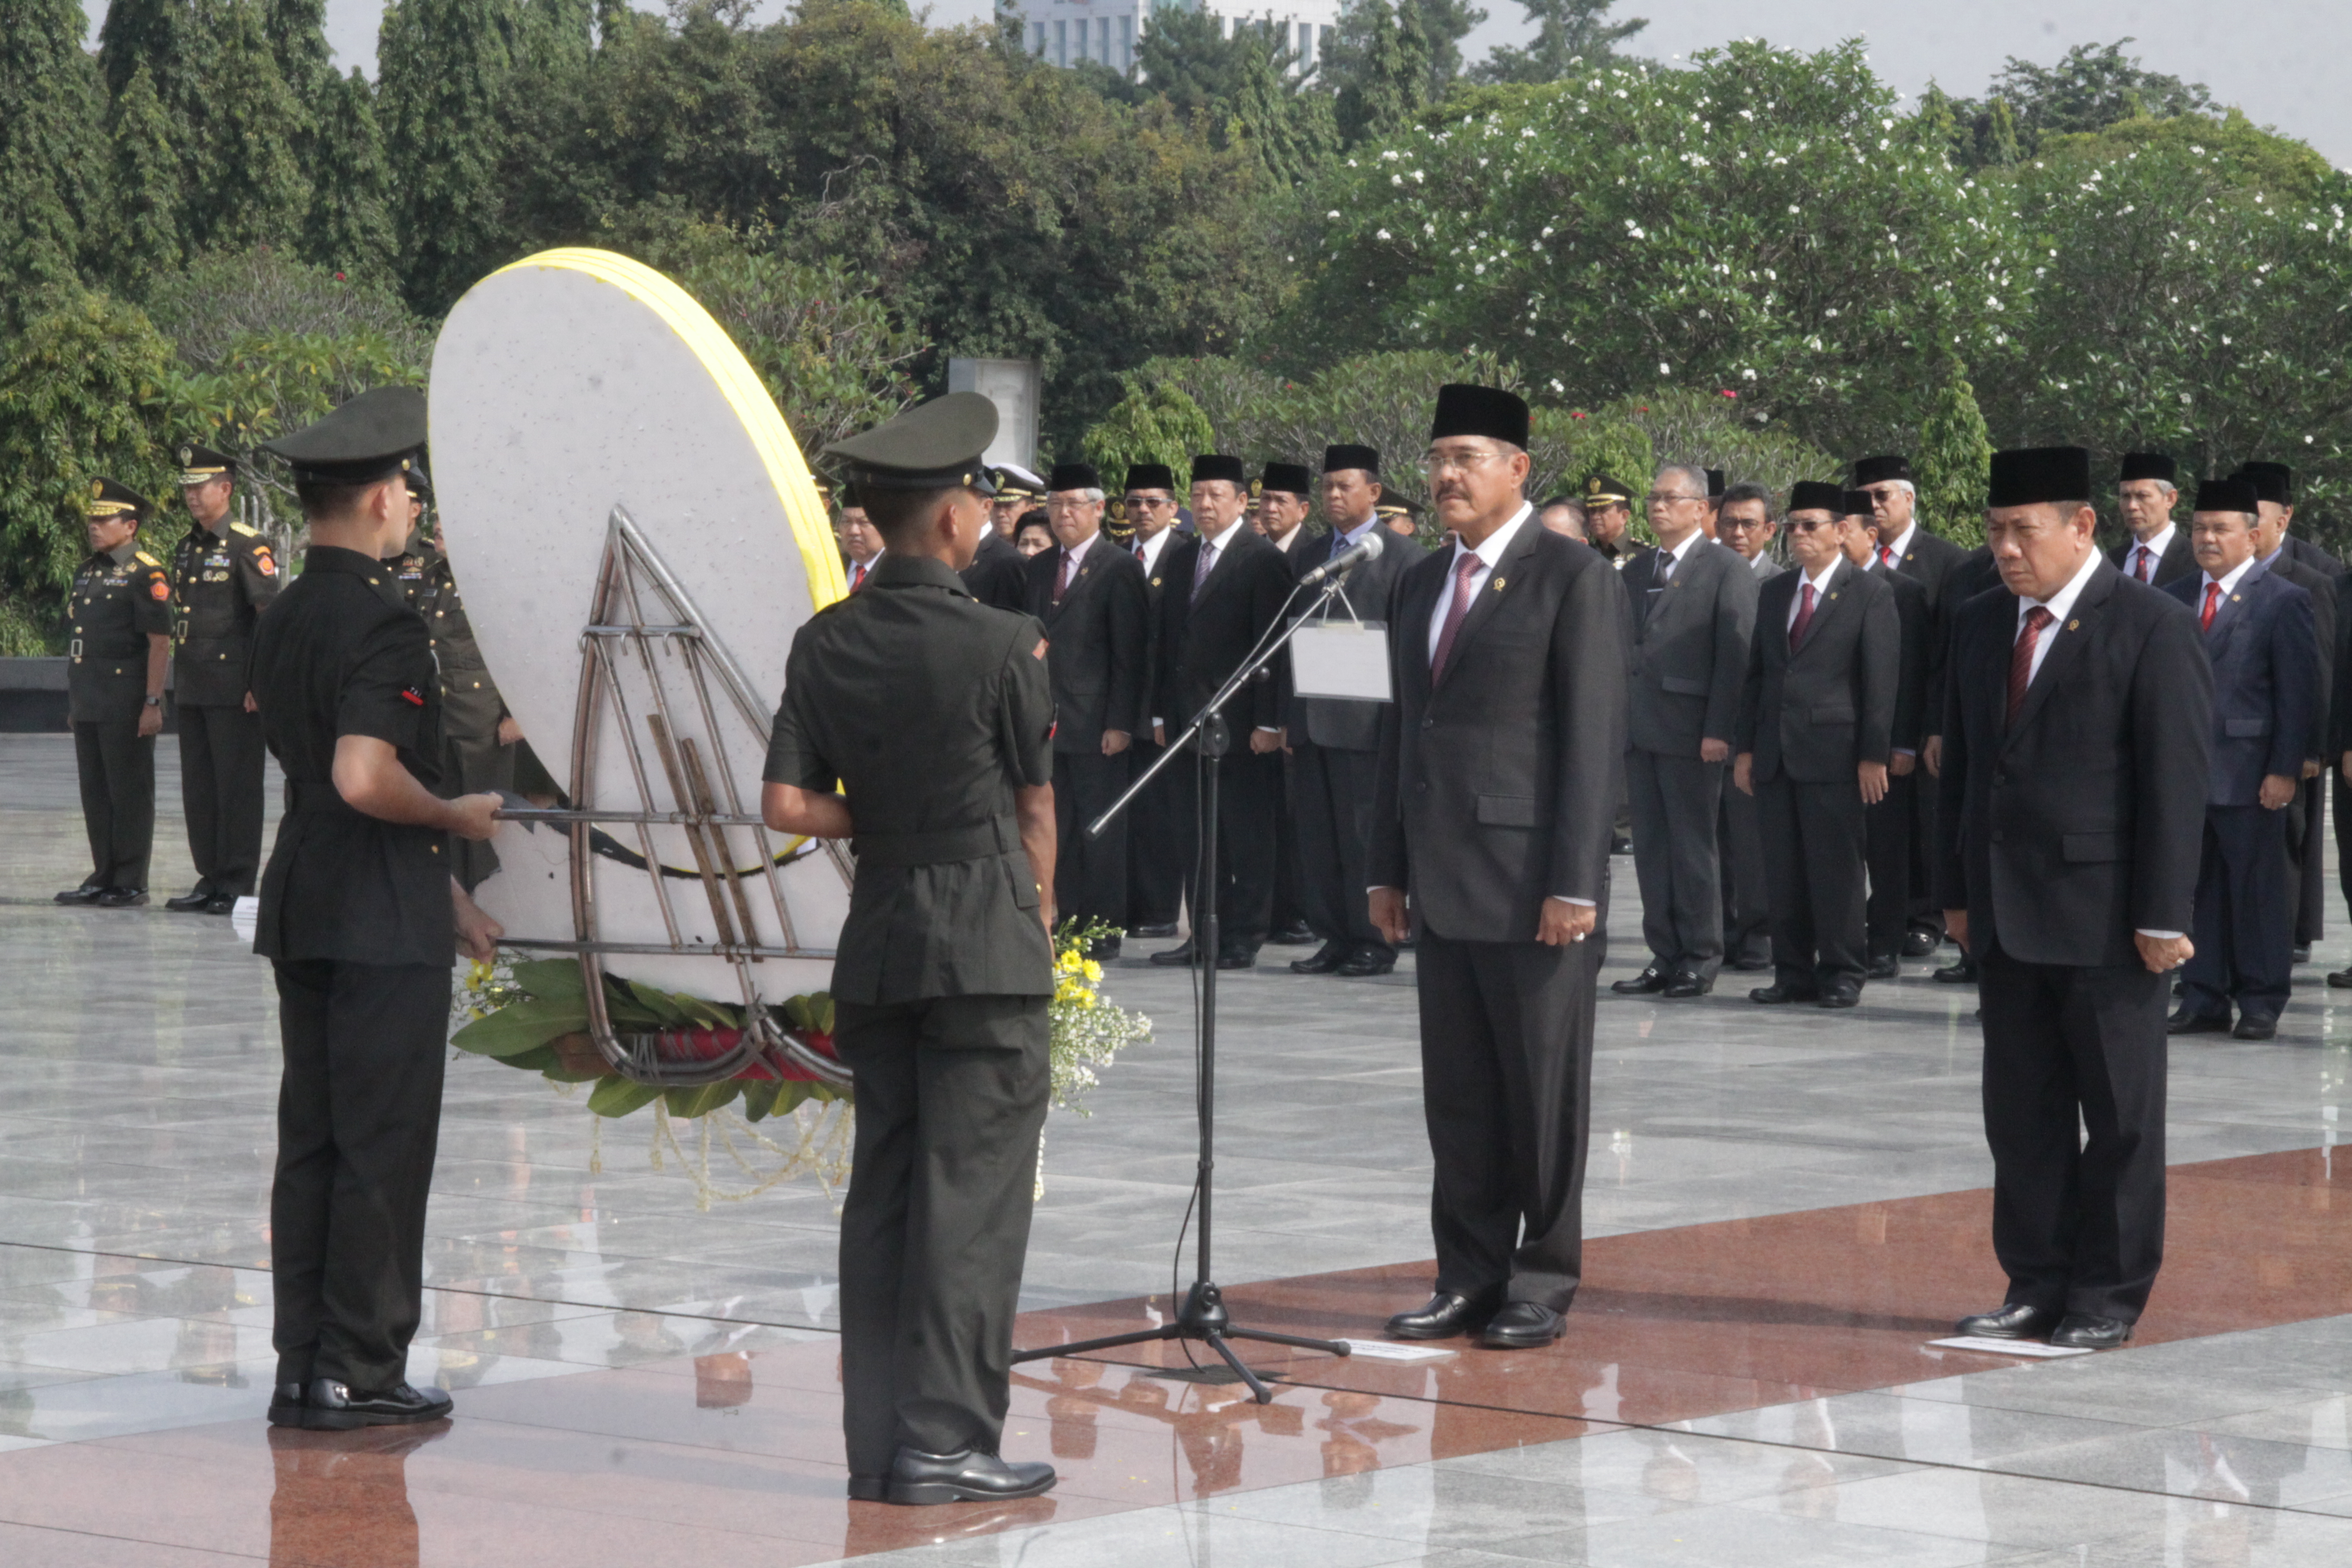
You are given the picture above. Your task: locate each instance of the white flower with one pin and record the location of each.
(1748, 375)
(1547, 231)
(1384, 234)
(1333, 213)
(1479, 270)
(1830, 313)
(1396, 179)
(1663, 369)
(1793, 208)
(1556, 386)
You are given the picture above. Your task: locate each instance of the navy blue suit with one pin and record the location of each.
(2264, 655)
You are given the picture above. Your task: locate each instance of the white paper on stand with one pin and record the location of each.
(1343, 660)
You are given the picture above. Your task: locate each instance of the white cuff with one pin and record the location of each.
(2162, 935)
(1586, 903)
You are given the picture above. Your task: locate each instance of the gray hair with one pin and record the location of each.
(1685, 473)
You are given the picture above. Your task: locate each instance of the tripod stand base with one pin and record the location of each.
(1204, 1317)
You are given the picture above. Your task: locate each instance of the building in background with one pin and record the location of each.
(1107, 31)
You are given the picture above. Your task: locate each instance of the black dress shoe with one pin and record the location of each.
(1885, 967)
(2255, 1027)
(287, 1405)
(1366, 962)
(1155, 933)
(1446, 1316)
(1687, 984)
(2303, 952)
(1844, 997)
(971, 1476)
(1750, 964)
(1322, 961)
(1652, 979)
(1522, 1325)
(1103, 948)
(1297, 933)
(338, 1407)
(2187, 1023)
(192, 902)
(2086, 1331)
(2013, 1320)
(1777, 994)
(1918, 943)
(1964, 973)
(121, 898)
(226, 904)
(869, 1488)
(85, 894)
(2337, 979)
(1238, 958)
(1175, 957)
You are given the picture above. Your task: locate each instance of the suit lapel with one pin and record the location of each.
(1419, 604)
(2067, 638)
(1489, 596)
(1831, 601)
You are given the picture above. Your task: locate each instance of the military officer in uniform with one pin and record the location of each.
(361, 919)
(222, 574)
(934, 715)
(1608, 514)
(114, 693)
(999, 574)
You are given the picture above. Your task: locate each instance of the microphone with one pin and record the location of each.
(1365, 549)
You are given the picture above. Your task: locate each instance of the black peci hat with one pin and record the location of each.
(2272, 482)
(1715, 484)
(2026, 475)
(1813, 495)
(1150, 476)
(2148, 465)
(2236, 493)
(1074, 476)
(1217, 465)
(1488, 411)
(1858, 504)
(1879, 469)
(376, 435)
(109, 499)
(1290, 478)
(934, 446)
(1336, 459)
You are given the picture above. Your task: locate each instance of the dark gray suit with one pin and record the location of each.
(1739, 847)
(1928, 560)
(1892, 828)
(1690, 659)
(1498, 782)
(2306, 817)
(1155, 870)
(2177, 562)
(1098, 654)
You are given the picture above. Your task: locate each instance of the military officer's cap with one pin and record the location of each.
(201, 465)
(1813, 495)
(420, 481)
(1488, 411)
(1292, 477)
(1074, 476)
(111, 499)
(2026, 475)
(1339, 458)
(1879, 469)
(2236, 493)
(1217, 465)
(934, 446)
(1858, 504)
(1399, 507)
(2272, 482)
(1715, 484)
(1007, 487)
(1600, 491)
(2148, 465)
(1151, 477)
(1023, 481)
(375, 436)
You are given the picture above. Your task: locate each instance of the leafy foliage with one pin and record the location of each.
(1954, 461)
(1572, 35)
(1156, 422)
(252, 190)
(142, 230)
(443, 66)
(349, 226)
(2094, 87)
(51, 149)
(1376, 69)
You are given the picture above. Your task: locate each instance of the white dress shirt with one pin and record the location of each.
(2153, 549)
(1151, 550)
(1821, 586)
(1899, 544)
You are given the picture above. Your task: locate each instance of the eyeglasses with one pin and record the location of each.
(1807, 524)
(1069, 503)
(1463, 458)
(1133, 502)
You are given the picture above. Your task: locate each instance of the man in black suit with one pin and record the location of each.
(1224, 590)
(1891, 826)
(1694, 605)
(1745, 523)
(2306, 813)
(2275, 489)
(1334, 744)
(1155, 867)
(2145, 492)
(1285, 493)
(1976, 574)
(2257, 633)
(1089, 594)
(999, 574)
(1816, 722)
(2076, 733)
(1499, 766)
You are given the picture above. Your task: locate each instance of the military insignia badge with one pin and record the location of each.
(413, 695)
(159, 589)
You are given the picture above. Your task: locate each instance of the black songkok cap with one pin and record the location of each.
(1878, 470)
(109, 498)
(1074, 476)
(374, 436)
(1150, 476)
(1858, 504)
(200, 464)
(1813, 495)
(2029, 475)
(934, 446)
(2238, 492)
(2272, 482)
(1715, 484)
(1488, 411)
(2148, 465)
(1292, 477)
(1336, 459)
(1217, 465)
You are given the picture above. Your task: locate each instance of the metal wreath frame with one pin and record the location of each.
(633, 571)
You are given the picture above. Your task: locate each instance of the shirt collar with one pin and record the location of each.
(2061, 601)
(1490, 553)
(888, 570)
(1349, 536)
(121, 553)
(1691, 541)
(1901, 544)
(2264, 562)
(1077, 552)
(1822, 583)
(2238, 574)
(2161, 542)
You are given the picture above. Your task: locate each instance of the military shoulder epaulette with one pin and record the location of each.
(250, 533)
(150, 561)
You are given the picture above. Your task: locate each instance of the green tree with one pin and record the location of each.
(348, 227)
(1572, 35)
(142, 234)
(1955, 460)
(298, 41)
(443, 66)
(1446, 22)
(1156, 422)
(2094, 87)
(1288, 128)
(167, 37)
(1377, 71)
(252, 188)
(52, 149)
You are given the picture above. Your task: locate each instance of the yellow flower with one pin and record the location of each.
(1093, 970)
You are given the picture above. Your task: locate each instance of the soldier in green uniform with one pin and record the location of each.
(933, 714)
(222, 575)
(360, 918)
(120, 621)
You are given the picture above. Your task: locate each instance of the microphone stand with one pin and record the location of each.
(1203, 1316)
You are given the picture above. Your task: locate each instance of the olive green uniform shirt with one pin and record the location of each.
(220, 585)
(120, 598)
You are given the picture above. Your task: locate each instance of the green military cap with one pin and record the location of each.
(109, 498)
(200, 464)
(935, 446)
(376, 435)
(1600, 491)
(420, 481)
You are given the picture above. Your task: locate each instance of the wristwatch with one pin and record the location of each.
(154, 702)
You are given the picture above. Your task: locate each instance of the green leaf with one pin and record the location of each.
(620, 1096)
(759, 1099)
(552, 979)
(538, 1058)
(523, 1027)
(661, 1005)
(701, 1099)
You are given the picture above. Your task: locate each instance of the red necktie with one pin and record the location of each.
(2146, 555)
(857, 577)
(2212, 603)
(2021, 657)
(1457, 610)
(1804, 616)
(1886, 556)
(1062, 583)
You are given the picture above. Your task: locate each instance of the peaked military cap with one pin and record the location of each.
(1020, 481)
(1292, 477)
(2148, 466)
(420, 481)
(111, 499)
(1346, 456)
(1813, 495)
(1715, 484)
(374, 436)
(1399, 507)
(1217, 465)
(201, 464)
(1878, 470)
(2272, 482)
(1075, 476)
(2236, 493)
(1489, 411)
(1150, 476)
(1600, 491)
(934, 446)
(2026, 475)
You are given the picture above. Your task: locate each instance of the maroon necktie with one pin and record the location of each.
(858, 576)
(1062, 582)
(1804, 616)
(2212, 603)
(2020, 656)
(1457, 610)
(2146, 556)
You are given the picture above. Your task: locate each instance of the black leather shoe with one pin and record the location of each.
(2303, 952)
(2187, 1023)
(226, 904)
(1367, 962)
(1886, 966)
(2337, 979)
(1964, 973)
(2085, 1332)
(287, 1405)
(85, 894)
(338, 1407)
(1918, 943)
(1751, 963)
(1238, 958)
(2255, 1027)
(1522, 1325)
(1446, 1316)
(121, 898)
(1777, 994)
(2013, 1320)
(1844, 997)
(1154, 933)
(869, 1488)
(1103, 948)
(1175, 957)
(1297, 933)
(190, 903)
(1650, 979)
(1322, 961)
(1687, 984)
(921, 1479)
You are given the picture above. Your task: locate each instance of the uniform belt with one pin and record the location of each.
(974, 841)
(316, 795)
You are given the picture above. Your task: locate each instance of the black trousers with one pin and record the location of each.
(1924, 915)
(1507, 1090)
(359, 1118)
(1814, 864)
(1156, 869)
(1332, 793)
(1089, 874)
(2245, 919)
(1289, 875)
(2073, 1109)
(1887, 853)
(118, 800)
(2307, 831)
(1747, 903)
(2343, 805)
(220, 793)
(951, 1099)
(1249, 796)
(1673, 801)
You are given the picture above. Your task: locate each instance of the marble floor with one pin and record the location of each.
(1787, 1208)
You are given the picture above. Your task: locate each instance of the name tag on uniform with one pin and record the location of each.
(1348, 660)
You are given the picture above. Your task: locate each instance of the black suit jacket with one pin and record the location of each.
(1330, 722)
(2177, 562)
(2082, 822)
(1097, 647)
(998, 574)
(2313, 556)
(1205, 637)
(1930, 560)
(2265, 675)
(2321, 586)
(1498, 786)
(1914, 721)
(1690, 647)
(1816, 710)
